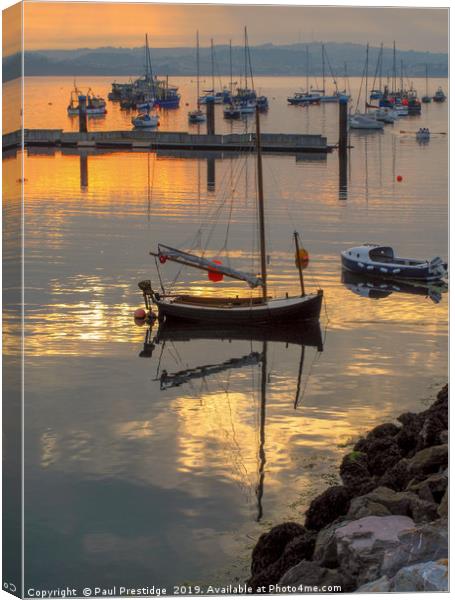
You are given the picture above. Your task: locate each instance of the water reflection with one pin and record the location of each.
(179, 333)
(376, 289)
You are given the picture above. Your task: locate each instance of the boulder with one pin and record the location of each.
(427, 461)
(430, 576)
(354, 473)
(398, 477)
(270, 546)
(383, 454)
(380, 585)
(326, 507)
(383, 501)
(427, 542)
(443, 509)
(361, 545)
(431, 489)
(266, 571)
(308, 573)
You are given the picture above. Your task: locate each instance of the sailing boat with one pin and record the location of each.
(234, 310)
(197, 116)
(365, 120)
(427, 98)
(308, 97)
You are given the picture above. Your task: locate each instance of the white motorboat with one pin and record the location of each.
(146, 120)
(364, 121)
(381, 261)
(386, 115)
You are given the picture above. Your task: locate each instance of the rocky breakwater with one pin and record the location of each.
(384, 529)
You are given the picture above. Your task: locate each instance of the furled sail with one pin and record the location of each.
(185, 258)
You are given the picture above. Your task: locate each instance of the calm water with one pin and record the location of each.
(131, 484)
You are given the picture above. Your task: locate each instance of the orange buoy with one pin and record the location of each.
(140, 314)
(214, 275)
(399, 178)
(302, 258)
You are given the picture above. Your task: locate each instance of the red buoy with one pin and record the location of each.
(140, 313)
(163, 259)
(399, 178)
(214, 275)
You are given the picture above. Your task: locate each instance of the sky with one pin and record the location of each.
(73, 25)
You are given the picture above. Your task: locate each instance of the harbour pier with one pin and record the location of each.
(278, 143)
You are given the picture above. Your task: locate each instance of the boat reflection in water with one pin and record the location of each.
(376, 289)
(304, 334)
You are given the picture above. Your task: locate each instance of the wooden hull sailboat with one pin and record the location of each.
(253, 309)
(233, 310)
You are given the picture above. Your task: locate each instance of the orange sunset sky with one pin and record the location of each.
(77, 24)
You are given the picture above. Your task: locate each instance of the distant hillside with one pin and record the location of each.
(267, 59)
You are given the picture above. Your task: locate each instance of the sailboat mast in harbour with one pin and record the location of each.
(261, 211)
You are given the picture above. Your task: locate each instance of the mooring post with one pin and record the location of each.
(343, 130)
(210, 174)
(210, 107)
(343, 149)
(82, 114)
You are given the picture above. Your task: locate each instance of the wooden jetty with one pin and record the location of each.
(131, 140)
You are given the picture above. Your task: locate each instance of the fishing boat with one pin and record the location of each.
(427, 98)
(381, 261)
(253, 309)
(197, 116)
(146, 120)
(95, 105)
(73, 106)
(439, 95)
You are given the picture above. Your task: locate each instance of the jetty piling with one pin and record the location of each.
(210, 108)
(82, 114)
(343, 149)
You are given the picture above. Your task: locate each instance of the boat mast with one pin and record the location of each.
(230, 65)
(197, 69)
(213, 66)
(380, 66)
(426, 79)
(246, 62)
(307, 70)
(394, 81)
(261, 207)
(299, 264)
(323, 70)
(366, 79)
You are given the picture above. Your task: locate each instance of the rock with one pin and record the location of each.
(398, 477)
(423, 577)
(427, 542)
(444, 437)
(326, 507)
(272, 559)
(443, 509)
(362, 544)
(383, 501)
(271, 545)
(308, 573)
(354, 473)
(384, 430)
(427, 461)
(325, 550)
(383, 454)
(431, 489)
(380, 585)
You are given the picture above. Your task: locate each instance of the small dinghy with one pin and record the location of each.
(381, 261)
(423, 133)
